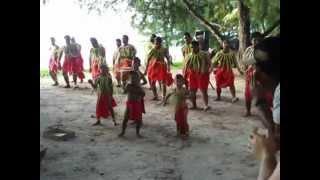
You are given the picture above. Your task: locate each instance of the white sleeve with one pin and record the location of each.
(276, 105)
(247, 57)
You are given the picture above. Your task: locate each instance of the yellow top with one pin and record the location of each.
(225, 60)
(98, 54)
(186, 49)
(157, 53)
(198, 62)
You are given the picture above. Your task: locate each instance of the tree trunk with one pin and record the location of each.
(211, 27)
(244, 28)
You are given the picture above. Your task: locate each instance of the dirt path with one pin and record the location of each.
(216, 149)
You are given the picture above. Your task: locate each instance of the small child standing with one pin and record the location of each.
(136, 65)
(134, 105)
(105, 101)
(181, 107)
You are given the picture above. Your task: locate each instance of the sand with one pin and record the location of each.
(216, 149)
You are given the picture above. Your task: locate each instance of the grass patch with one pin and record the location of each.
(177, 65)
(44, 72)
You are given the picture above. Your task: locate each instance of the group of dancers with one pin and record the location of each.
(73, 61)
(197, 67)
(260, 62)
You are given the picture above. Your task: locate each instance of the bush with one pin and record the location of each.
(177, 65)
(44, 73)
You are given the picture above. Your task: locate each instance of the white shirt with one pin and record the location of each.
(248, 57)
(276, 105)
(115, 56)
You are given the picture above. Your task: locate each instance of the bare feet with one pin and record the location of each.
(121, 134)
(235, 99)
(247, 114)
(98, 123)
(206, 108)
(43, 153)
(193, 108)
(76, 87)
(155, 99)
(161, 103)
(184, 137)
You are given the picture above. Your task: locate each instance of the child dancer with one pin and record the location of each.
(105, 101)
(181, 108)
(136, 65)
(134, 105)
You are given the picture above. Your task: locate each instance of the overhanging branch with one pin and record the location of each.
(212, 28)
(275, 25)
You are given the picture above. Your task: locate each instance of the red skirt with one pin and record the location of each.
(204, 80)
(81, 63)
(169, 79)
(224, 77)
(72, 65)
(157, 70)
(135, 108)
(192, 78)
(81, 75)
(76, 65)
(95, 70)
(66, 67)
(116, 71)
(125, 63)
(102, 108)
(197, 80)
(181, 119)
(54, 65)
(269, 98)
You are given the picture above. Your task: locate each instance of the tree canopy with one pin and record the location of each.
(171, 18)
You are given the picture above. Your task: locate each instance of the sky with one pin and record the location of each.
(61, 17)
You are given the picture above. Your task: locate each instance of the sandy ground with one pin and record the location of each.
(216, 150)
